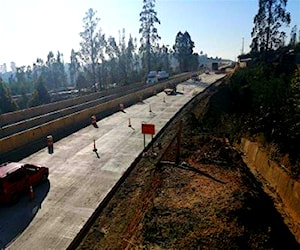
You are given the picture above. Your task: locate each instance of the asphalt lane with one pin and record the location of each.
(78, 179)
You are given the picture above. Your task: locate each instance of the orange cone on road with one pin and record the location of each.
(129, 124)
(50, 144)
(141, 99)
(95, 149)
(121, 107)
(94, 121)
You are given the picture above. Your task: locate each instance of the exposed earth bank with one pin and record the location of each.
(210, 200)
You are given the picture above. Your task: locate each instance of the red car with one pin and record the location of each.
(17, 177)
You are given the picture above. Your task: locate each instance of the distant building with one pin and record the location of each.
(3, 68)
(208, 63)
(13, 67)
(244, 62)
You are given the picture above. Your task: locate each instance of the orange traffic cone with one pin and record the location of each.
(122, 108)
(94, 121)
(95, 149)
(31, 193)
(129, 124)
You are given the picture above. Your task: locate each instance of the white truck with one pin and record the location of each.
(154, 76)
(162, 75)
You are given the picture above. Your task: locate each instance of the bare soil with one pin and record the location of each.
(209, 200)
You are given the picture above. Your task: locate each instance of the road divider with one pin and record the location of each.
(10, 146)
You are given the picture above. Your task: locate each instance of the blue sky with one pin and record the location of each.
(30, 29)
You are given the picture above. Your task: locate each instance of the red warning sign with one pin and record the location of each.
(148, 129)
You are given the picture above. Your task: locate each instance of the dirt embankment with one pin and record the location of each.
(209, 201)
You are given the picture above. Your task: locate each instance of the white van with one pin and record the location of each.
(152, 77)
(162, 75)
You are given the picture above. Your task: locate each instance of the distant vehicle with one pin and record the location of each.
(195, 77)
(170, 91)
(112, 85)
(152, 77)
(162, 75)
(215, 66)
(16, 178)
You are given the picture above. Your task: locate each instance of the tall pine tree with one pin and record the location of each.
(148, 19)
(183, 50)
(266, 34)
(92, 44)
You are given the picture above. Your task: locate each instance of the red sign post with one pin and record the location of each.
(148, 129)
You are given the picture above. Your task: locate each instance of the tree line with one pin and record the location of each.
(265, 95)
(100, 62)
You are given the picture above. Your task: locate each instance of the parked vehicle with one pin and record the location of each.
(195, 77)
(172, 90)
(169, 91)
(152, 77)
(16, 178)
(162, 75)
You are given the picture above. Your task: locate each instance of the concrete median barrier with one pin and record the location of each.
(72, 122)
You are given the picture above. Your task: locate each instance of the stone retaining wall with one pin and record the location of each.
(286, 188)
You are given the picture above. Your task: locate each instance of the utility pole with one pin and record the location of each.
(242, 52)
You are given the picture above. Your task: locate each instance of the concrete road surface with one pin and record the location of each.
(78, 179)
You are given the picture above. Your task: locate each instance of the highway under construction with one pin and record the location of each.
(86, 166)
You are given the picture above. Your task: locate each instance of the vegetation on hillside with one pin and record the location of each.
(262, 102)
(269, 89)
